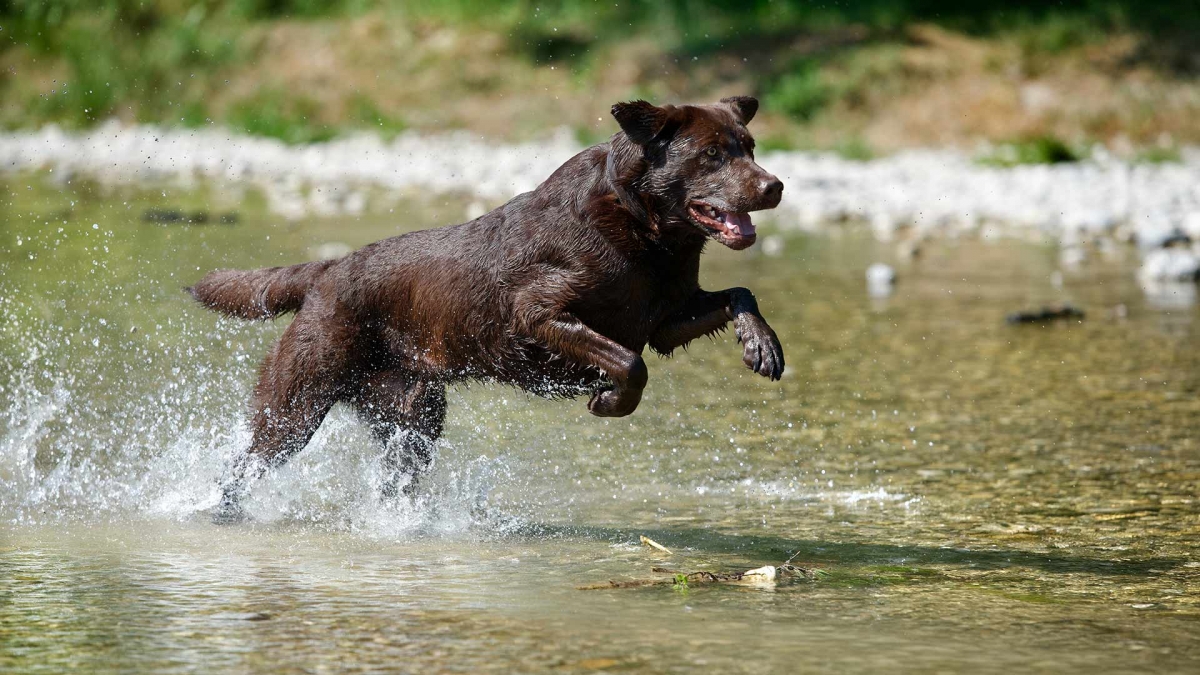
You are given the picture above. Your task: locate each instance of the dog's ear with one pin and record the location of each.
(640, 120)
(743, 107)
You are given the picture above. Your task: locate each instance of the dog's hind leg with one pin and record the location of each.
(299, 382)
(405, 414)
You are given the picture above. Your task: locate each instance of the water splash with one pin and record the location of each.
(807, 492)
(76, 445)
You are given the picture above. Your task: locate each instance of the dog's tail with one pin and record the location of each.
(258, 294)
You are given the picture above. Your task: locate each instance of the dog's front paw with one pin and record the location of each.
(762, 352)
(614, 402)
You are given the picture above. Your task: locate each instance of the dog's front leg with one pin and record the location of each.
(568, 336)
(708, 312)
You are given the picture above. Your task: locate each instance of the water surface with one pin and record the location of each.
(979, 497)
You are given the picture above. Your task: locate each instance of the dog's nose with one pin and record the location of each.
(772, 189)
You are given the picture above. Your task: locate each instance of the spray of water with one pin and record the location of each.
(106, 424)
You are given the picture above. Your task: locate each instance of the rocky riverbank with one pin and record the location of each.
(911, 195)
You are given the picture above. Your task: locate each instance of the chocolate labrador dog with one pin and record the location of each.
(557, 292)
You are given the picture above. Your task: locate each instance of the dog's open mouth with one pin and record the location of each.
(731, 228)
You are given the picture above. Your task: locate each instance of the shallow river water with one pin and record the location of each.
(969, 496)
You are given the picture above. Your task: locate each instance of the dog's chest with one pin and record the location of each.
(634, 302)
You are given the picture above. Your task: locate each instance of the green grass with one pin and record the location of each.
(1038, 150)
(273, 114)
(699, 27)
(1160, 155)
(588, 136)
(849, 146)
(1056, 34)
(800, 92)
(364, 113)
(118, 55)
(854, 148)
(294, 119)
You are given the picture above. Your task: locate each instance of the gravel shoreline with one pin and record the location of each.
(913, 194)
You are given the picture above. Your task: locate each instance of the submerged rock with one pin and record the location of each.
(330, 250)
(1191, 225)
(1170, 295)
(1170, 264)
(908, 250)
(168, 216)
(772, 245)
(1047, 314)
(1155, 235)
(880, 279)
(1072, 257)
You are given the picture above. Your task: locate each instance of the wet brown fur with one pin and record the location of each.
(557, 292)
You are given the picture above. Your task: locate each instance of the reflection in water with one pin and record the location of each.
(983, 496)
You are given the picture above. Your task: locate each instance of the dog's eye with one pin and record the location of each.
(711, 152)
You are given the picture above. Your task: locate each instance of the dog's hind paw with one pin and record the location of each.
(228, 511)
(614, 402)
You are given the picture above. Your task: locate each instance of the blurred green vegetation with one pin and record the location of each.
(698, 26)
(170, 61)
(1160, 155)
(273, 113)
(1038, 150)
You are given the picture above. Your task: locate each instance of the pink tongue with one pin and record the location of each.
(739, 224)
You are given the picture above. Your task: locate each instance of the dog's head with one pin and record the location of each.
(692, 167)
